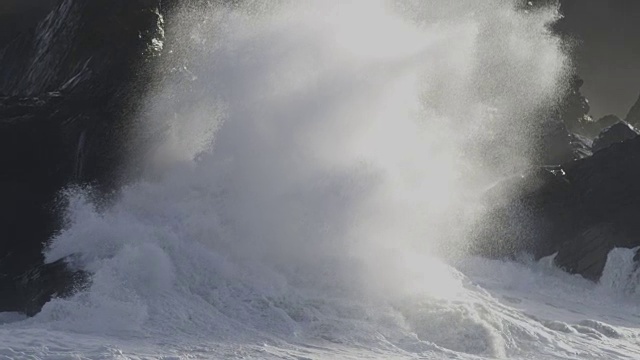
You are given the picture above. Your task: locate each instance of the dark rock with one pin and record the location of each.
(522, 211)
(72, 86)
(34, 288)
(580, 146)
(616, 133)
(37, 158)
(574, 110)
(633, 117)
(584, 254)
(19, 16)
(605, 195)
(606, 121)
(556, 143)
(566, 134)
(581, 212)
(101, 40)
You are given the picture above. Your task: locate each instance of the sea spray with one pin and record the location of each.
(310, 158)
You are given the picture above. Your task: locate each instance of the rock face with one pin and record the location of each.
(18, 16)
(613, 134)
(574, 111)
(633, 117)
(36, 286)
(562, 136)
(604, 194)
(605, 122)
(69, 89)
(567, 134)
(580, 210)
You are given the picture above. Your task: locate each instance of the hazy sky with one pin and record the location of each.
(608, 52)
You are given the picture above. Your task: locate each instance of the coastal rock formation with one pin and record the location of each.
(615, 133)
(19, 16)
(70, 87)
(633, 117)
(579, 210)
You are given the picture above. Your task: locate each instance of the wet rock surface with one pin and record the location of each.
(69, 89)
(613, 134)
(633, 117)
(581, 205)
(580, 210)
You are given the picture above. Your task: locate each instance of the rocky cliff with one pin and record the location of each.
(577, 208)
(580, 210)
(69, 89)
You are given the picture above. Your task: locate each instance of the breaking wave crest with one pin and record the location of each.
(310, 164)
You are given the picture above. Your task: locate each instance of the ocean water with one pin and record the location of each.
(311, 172)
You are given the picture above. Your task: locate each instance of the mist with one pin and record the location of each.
(331, 146)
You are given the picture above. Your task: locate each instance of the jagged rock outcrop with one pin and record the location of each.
(574, 110)
(558, 145)
(580, 146)
(574, 113)
(39, 284)
(71, 87)
(633, 117)
(580, 210)
(19, 16)
(521, 210)
(567, 135)
(561, 138)
(613, 134)
(606, 121)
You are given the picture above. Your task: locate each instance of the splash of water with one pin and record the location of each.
(322, 146)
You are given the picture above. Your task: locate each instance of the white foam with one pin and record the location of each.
(317, 155)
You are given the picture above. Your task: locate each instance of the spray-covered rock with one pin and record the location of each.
(585, 209)
(575, 108)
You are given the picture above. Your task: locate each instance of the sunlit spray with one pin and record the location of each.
(332, 146)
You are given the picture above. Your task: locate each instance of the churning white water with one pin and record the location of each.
(309, 182)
